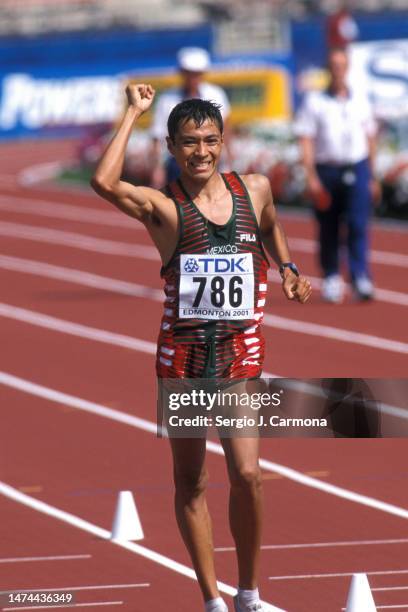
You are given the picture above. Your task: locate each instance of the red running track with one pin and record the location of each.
(77, 461)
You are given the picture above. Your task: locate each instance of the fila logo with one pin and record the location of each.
(247, 238)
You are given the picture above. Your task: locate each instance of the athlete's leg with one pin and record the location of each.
(190, 478)
(245, 505)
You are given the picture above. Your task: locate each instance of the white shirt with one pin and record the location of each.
(339, 126)
(168, 100)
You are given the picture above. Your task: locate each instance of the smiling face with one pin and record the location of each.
(197, 149)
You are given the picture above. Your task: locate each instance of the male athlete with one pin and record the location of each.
(210, 230)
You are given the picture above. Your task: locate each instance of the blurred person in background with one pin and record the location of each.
(341, 28)
(193, 63)
(337, 134)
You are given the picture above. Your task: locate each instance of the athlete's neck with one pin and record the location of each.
(210, 189)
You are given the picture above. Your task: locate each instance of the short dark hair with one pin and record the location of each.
(197, 110)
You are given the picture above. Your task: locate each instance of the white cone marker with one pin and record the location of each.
(360, 598)
(126, 522)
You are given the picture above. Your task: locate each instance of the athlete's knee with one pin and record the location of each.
(246, 478)
(190, 484)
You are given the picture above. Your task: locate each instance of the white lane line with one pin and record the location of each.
(41, 172)
(381, 295)
(50, 558)
(57, 210)
(78, 277)
(76, 329)
(76, 402)
(78, 605)
(339, 575)
(79, 523)
(139, 251)
(303, 387)
(394, 588)
(88, 587)
(36, 233)
(320, 545)
(394, 607)
(315, 483)
(388, 258)
(151, 427)
(84, 331)
(335, 333)
(101, 335)
(52, 209)
(26, 266)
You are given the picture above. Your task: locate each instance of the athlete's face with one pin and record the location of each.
(197, 149)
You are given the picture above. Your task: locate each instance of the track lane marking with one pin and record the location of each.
(289, 212)
(127, 249)
(75, 521)
(320, 545)
(395, 588)
(35, 233)
(335, 333)
(86, 587)
(68, 212)
(75, 276)
(72, 212)
(338, 575)
(114, 339)
(123, 341)
(381, 295)
(76, 329)
(49, 558)
(151, 427)
(393, 607)
(77, 605)
(388, 258)
(79, 277)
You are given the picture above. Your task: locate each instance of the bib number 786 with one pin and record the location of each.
(218, 289)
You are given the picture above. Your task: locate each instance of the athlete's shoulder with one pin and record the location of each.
(257, 183)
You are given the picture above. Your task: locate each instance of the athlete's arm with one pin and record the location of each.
(138, 202)
(274, 238)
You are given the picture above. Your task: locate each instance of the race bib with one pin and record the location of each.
(216, 286)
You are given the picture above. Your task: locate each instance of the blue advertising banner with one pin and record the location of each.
(69, 80)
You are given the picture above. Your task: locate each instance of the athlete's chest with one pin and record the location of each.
(218, 211)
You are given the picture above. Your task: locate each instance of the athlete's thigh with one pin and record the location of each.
(188, 456)
(241, 446)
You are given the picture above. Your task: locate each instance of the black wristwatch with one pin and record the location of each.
(289, 265)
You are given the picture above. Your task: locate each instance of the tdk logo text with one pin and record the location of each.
(221, 265)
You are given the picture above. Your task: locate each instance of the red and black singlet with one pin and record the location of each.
(215, 286)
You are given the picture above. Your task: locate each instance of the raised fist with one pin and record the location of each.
(140, 95)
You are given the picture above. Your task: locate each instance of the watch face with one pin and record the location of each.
(291, 266)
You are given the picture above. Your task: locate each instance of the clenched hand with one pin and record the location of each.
(296, 288)
(140, 96)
